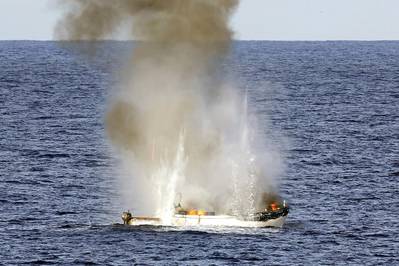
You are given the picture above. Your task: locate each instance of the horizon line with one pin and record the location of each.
(234, 40)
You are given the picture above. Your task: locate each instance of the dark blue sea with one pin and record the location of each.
(334, 112)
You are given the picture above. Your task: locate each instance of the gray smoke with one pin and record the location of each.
(179, 127)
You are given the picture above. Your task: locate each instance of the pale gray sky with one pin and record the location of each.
(255, 19)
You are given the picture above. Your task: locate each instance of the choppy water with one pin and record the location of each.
(334, 108)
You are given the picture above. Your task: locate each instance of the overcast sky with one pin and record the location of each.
(255, 19)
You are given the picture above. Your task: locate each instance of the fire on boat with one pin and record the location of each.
(273, 215)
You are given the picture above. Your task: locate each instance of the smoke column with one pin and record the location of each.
(181, 129)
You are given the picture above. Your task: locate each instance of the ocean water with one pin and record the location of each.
(333, 109)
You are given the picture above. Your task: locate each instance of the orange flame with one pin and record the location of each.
(201, 212)
(192, 212)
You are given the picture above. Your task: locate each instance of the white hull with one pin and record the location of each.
(207, 220)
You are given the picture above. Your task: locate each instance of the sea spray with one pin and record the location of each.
(167, 179)
(175, 80)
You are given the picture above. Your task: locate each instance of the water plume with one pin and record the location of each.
(179, 126)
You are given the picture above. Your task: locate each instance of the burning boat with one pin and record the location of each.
(273, 215)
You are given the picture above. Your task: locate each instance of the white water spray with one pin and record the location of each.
(172, 173)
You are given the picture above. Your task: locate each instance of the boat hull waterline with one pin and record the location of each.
(205, 220)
